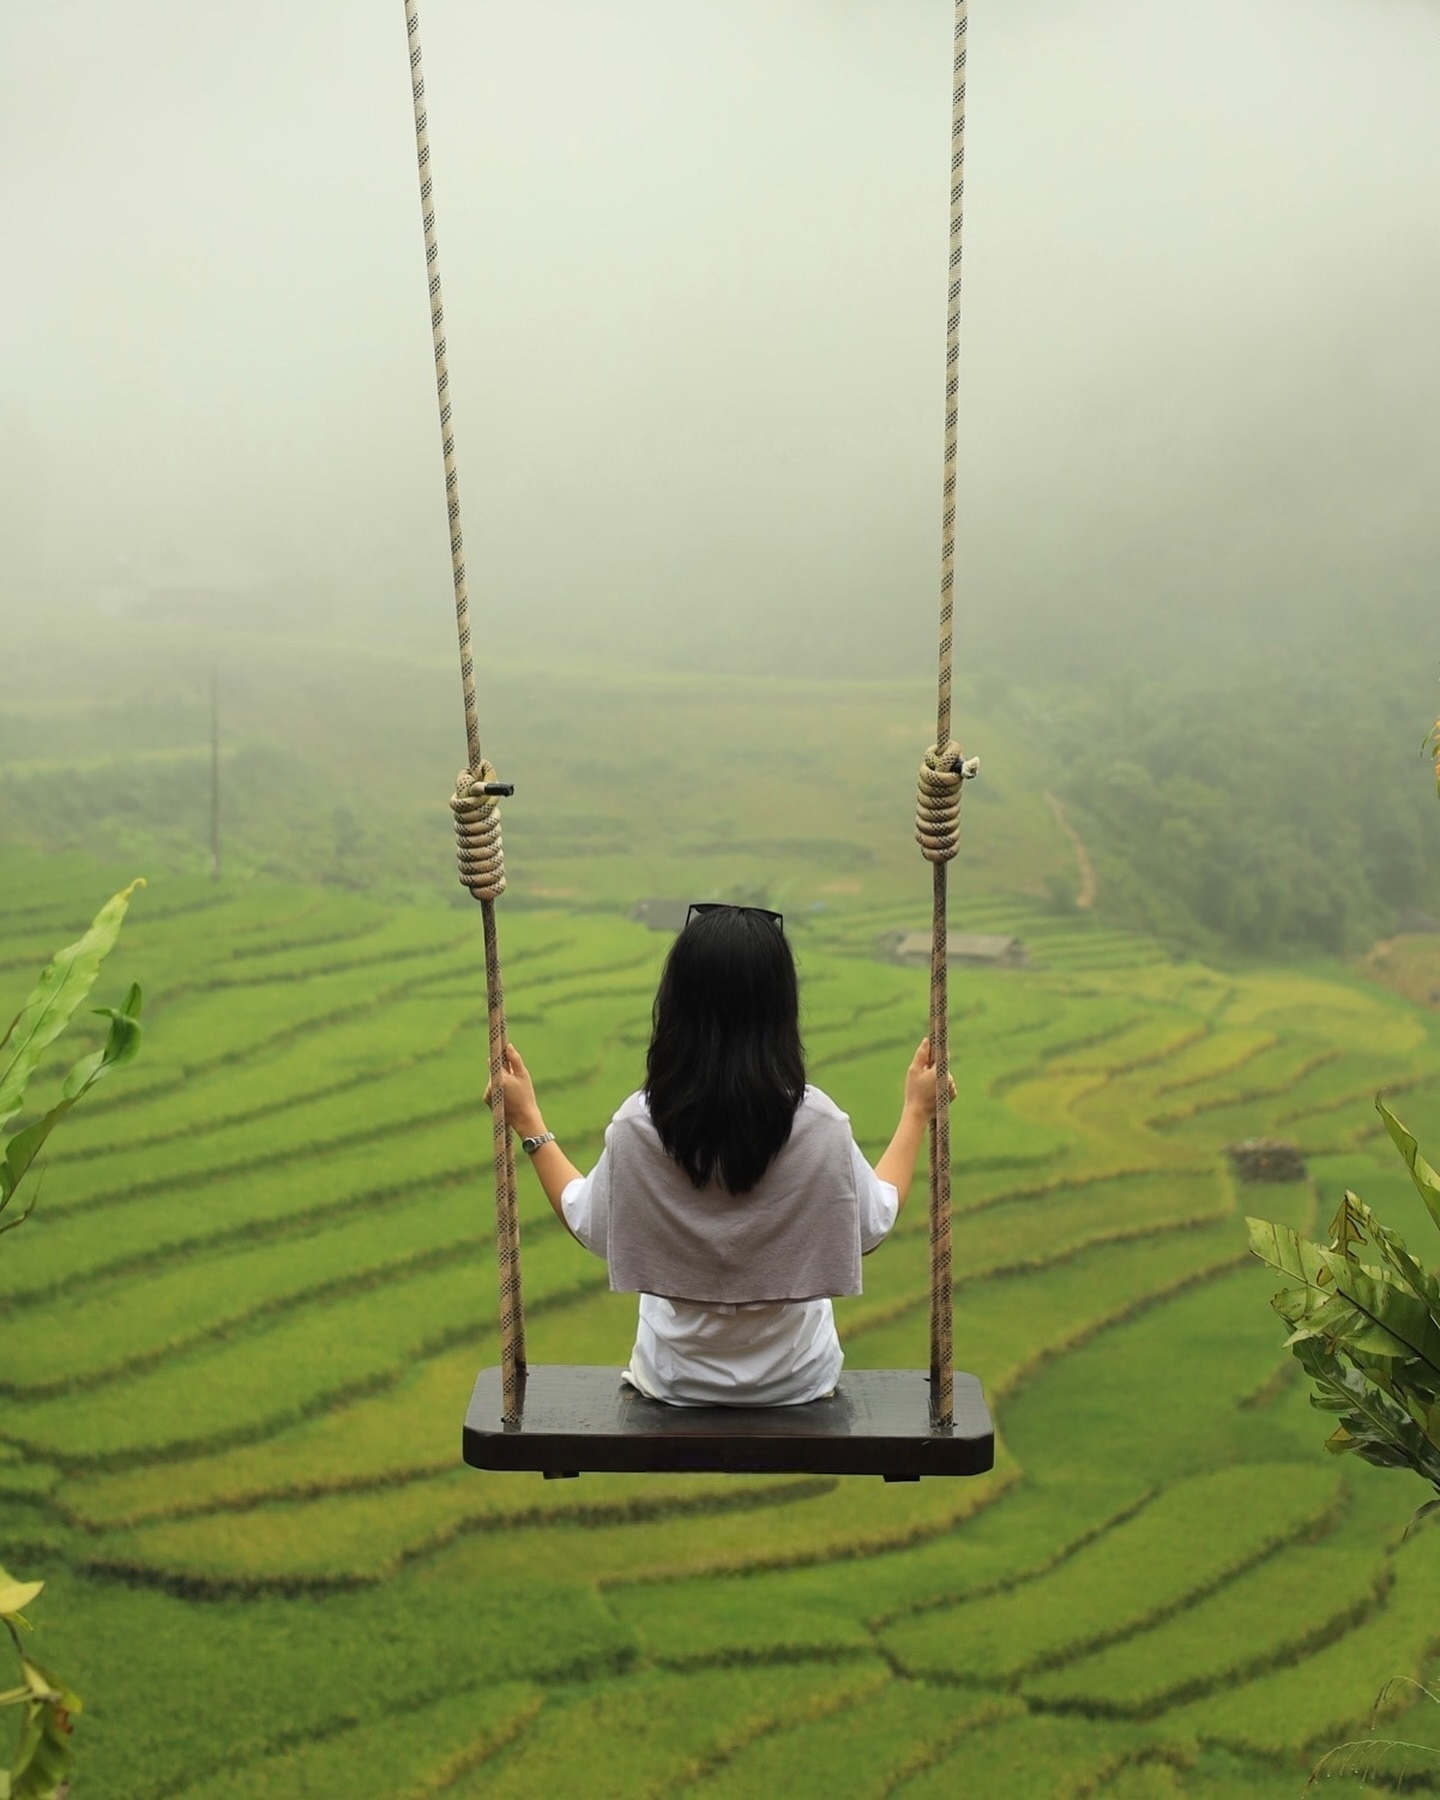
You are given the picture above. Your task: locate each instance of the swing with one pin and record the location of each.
(558, 1420)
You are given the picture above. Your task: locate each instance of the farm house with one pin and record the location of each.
(967, 949)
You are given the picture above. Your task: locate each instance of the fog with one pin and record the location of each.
(694, 264)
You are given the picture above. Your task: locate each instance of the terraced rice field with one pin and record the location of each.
(237, 1340)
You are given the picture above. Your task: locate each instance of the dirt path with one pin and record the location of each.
(1085, 899)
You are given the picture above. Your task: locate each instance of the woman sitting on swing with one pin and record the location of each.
(730, 1194)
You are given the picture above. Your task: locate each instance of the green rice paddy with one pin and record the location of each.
(238, 1337)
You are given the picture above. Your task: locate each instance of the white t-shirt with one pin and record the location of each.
(775, 1353)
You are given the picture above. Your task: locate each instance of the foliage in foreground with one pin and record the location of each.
(42, 1753)
(49, 1008)
(1367, 1332)
(1364, 1318)
(1383, 1762)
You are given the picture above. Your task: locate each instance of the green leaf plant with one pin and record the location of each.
(41, 1759)
(43, 1755)
(50, 1007)
(1364, 1320)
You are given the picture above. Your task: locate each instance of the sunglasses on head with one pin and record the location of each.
(713, 906)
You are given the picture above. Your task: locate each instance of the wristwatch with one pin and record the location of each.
(531, 1145)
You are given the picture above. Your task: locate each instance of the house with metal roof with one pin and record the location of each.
(967, 949)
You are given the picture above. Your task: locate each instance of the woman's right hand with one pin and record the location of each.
(522, 1109)
(897, 1165)
(920, 1083)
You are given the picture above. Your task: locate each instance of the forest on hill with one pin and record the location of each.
(1273, 811)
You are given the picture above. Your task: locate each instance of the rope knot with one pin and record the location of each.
(943, 775)
(479, 852)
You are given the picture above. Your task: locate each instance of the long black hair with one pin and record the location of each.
(726, 1068)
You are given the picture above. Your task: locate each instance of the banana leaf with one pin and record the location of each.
(121, 1043)
(1347, 1231)
(1338, 1321)
(1368, 1318)
(1358, 1224)
(55, 999)
(1289, 1253)
(1372, 1425)
(1355, 1306)
(1427, 1182)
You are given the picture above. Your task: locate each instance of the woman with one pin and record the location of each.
(730, 1194)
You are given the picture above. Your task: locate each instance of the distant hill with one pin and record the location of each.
(1269, 806)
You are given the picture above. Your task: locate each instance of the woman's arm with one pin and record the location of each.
(897, 1165)
(523, 1116)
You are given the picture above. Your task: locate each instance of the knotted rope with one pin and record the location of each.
(942, 778)
(477, 816)
(943, 775)
(479, 849)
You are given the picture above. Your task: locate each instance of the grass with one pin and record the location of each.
(214, 1293)
(1181, 1545)
(1329, 1695)
(238, 1337)
(441, 1742)
(862, 1748)
(333, 1540)
(648, 1736)
(66, 1252)
(1028, 1758)
(180, 1694)
(277, 1369)
(1290, 1605)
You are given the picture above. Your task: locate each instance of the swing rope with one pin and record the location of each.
(475, 805)
(943, 774)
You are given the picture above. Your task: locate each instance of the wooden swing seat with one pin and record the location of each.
(877, 1422)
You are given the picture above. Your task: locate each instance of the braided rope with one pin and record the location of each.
(952, 375)
(942, 778)
(477, 817)
(442, 387)
(479, 849)
(937, 814)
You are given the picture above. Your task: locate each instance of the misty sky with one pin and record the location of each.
(694, 260)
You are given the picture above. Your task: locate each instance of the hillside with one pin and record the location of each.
(237, 1340)
(1251, 810)
(337, 762)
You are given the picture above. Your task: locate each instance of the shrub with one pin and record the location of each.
(1364, 1318)
(42, 1752)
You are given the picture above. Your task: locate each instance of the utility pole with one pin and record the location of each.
(215, 773)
